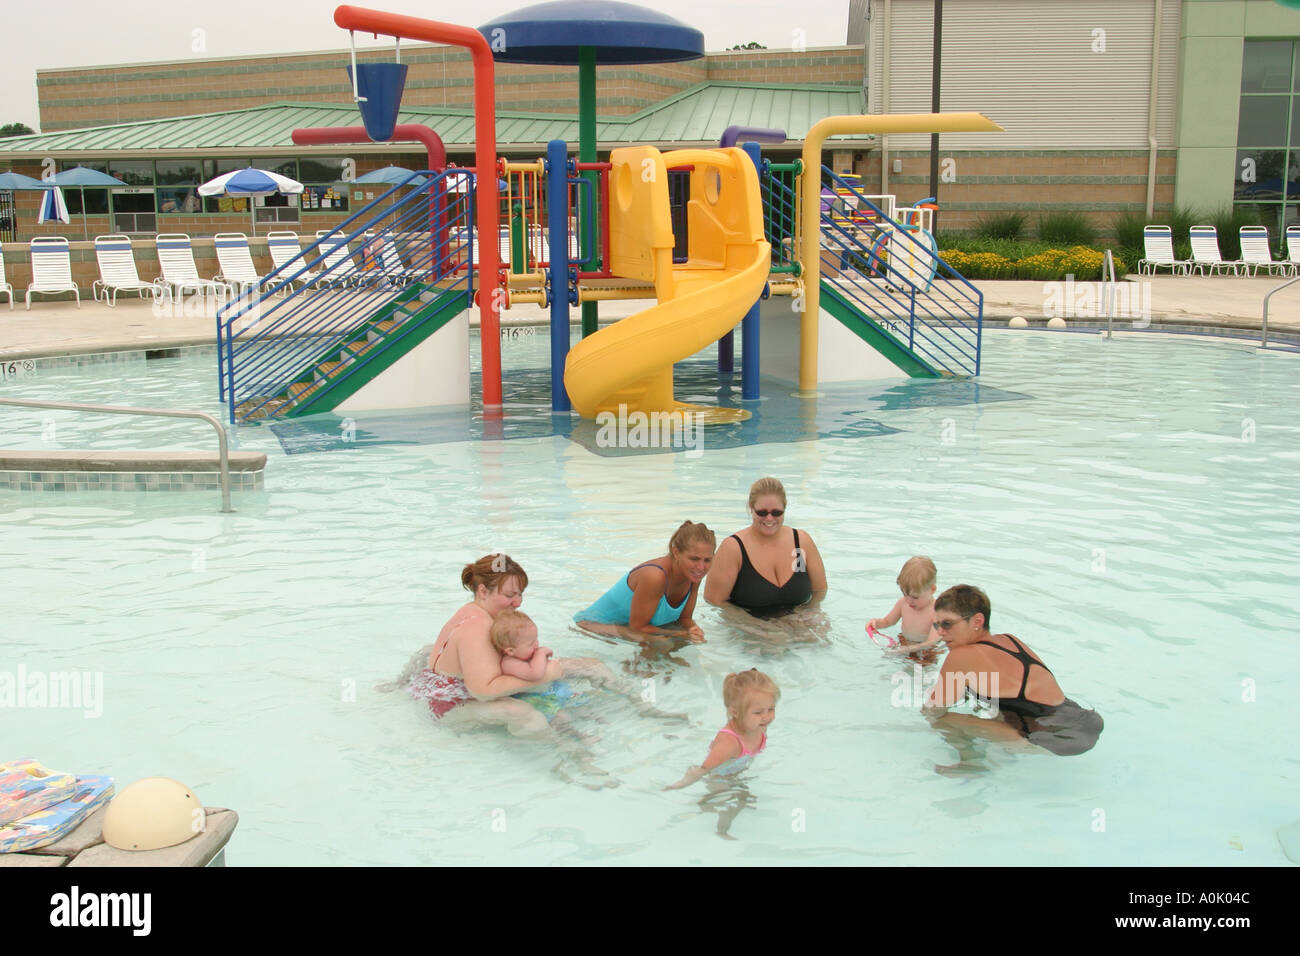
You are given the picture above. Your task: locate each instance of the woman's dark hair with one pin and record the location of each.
(489, 571)
(965, 600)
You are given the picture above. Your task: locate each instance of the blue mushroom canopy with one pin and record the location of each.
(553, 33)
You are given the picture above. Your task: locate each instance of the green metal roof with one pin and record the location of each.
(696, 116)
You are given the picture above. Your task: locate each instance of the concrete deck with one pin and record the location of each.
(1213, 303)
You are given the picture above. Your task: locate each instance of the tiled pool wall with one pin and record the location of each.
(129, 481)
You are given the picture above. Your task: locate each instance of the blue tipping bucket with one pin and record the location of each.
(381, 84)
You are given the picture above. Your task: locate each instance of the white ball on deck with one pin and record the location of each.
(1056, 322)
(1018, 322)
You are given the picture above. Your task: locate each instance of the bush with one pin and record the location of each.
(1010, 225)
(1127, 231)
(1066, 229)
(1046, 265)
(1228, 221)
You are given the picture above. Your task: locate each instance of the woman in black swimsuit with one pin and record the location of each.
(766, 568)
(990, 667)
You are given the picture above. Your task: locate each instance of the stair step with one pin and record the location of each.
(301, 390)
(328, 370)
(355, 348)
(385, 326)
(250, 408)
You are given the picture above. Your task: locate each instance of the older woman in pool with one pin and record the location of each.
(1002, 672)
(766, 568)
(659, 594)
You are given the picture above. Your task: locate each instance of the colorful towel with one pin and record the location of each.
(48, 826)
(26, 786)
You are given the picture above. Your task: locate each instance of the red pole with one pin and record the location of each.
(491, 293)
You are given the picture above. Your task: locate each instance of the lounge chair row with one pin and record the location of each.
(52, 266)
(1206, 259)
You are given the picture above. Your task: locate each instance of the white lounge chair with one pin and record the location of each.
(51, 268)
(1292, 247)
(236, 261)
(1159, 244)
(1206, 255)
(284, 246)
(5, 287)
(176, 257)
(117, 271)
(1256, 254)
(339, 269)
(381, 257)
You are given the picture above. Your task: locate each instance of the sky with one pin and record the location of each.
(90, 33)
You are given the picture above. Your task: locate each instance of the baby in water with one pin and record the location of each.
(918, 581)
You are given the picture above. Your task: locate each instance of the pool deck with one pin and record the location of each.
(1216, 304)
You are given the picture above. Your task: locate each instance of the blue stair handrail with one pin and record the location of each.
(270, 336)
(936, 313)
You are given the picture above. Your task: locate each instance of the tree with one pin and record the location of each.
(751, 45)
(16, 129)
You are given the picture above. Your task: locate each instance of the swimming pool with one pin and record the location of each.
(1128, 505)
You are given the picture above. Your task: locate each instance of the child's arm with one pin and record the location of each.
(724, 747)
(533, 669)
(890, 619)
(907, 647)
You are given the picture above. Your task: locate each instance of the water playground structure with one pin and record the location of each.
(845, 290)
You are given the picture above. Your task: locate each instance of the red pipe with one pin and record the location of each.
(491, 290)
(339, 135)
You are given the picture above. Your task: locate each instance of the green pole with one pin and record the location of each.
(517, 230)
(587, 154)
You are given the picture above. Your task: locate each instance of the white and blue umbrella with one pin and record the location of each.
(53, 207)
(81, 177)
(250, 183)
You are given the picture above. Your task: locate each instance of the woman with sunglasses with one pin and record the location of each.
(990, 666)
(766, 567)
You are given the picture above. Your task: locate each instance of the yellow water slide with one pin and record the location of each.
(630, 363)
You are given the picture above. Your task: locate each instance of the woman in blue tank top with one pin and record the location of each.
(657, 594)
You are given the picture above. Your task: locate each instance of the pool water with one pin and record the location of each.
(1128, 505)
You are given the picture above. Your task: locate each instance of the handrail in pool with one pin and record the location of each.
(222, 443)
(1263, 323)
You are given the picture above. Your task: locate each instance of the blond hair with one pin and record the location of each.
(736, 689)
(509, 629)
(691, 532)
(918, 574)
(764, 487)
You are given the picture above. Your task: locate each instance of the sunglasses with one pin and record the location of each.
(945, 625)
(774, 512)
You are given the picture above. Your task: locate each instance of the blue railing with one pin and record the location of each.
(268, 338)
(897, 280)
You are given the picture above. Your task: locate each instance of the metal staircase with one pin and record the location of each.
(368, 292)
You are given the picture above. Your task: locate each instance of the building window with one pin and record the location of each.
(1267, 176)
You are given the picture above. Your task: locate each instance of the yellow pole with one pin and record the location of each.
(810, 202)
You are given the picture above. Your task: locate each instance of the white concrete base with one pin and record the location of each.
(435, 372)
(841, 355)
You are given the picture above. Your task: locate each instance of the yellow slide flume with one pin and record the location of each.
(630, 363)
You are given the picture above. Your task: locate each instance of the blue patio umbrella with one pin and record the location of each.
(249, 183)
(392, 175)
(10, 180)
(81, 177)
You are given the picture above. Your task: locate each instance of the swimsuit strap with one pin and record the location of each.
(744, 751)
(651, 564)
(1022, 655)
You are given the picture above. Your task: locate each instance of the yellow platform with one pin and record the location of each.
(631, 362)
